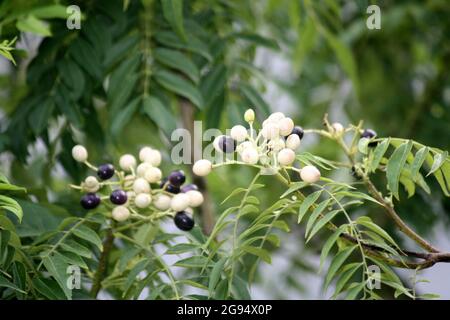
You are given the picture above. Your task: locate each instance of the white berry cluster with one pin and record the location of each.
(139, 189)
(273, 147)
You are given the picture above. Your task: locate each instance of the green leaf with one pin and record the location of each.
(395, 165)
(259, 252)
(50, 11)
(193, 262)
(345, 277)
(180, 86)
(315, 215)
(124, 116)
(240, 288)
(173, 12)
(355, 289)
(295, 186)
(438, 161)
(75, 247)
(38, 119)
(329, 244)
(307, 203)
(337, 262)
(367, 222)
(193, 44)
(89, 235)
(182, 248)
(178, 61)
(378, 154)
(321, 223)
(73, 259)
(161, 115)
(255, 99)
(418, 162)
(48, 288)
(257, 39)
(34, 25)
(363, 145)
(214, 277)
(57, 267)
(12, 206)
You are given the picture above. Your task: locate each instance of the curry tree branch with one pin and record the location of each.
(102, 263)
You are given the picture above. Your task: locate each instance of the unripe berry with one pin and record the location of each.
(250, 155)
(90, 201)
(153, 175)
(120, 213)
(105, 171)
(293, 142)
(118, 197)
(142, 168)
(177, 178)
(127, 162)
(244, 145)
(286, 157)
(153, 157)
(276, 144)
(142, 200)
(91, 184)
(179, 202)
(79, 153)
(144, 153)
(162, 202)
(249, 115)
(310, 174)
(286, 125)
(270, 131)
(338, 129)
(195, 198)
(202, 167)
(141, 185)
(238, 133)
(276, 116)
(183, 221)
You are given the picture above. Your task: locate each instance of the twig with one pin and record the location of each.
(102, 263)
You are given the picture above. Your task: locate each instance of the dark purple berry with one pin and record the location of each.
(298, 131)
(105, 171)
(172, 189)
(227, 144)
(90, 201)
(183, 221)
(369, 134)
(177, 178)
(118, 197)
(189, 187)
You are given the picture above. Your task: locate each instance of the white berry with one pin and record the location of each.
(277, 144)
(91, 184)
(142, 200)
(276, 116)
(238, 133)
(338, 128)
(141, 185)
(216, 143)
(127, 162)
(144, 153)
(142, 168)
(310, 174)
(79, 153)
(120, 213)
(202, 167)
(270, 131)
(249, 115)
(153, 175)
(179, 202)
(153, 157)
(286, 125)
(162, 202)
(195, 198)
(250, 155)
(286, 157)
(293, 142)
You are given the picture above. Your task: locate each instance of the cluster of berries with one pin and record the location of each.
(273, 147)
(139, 188)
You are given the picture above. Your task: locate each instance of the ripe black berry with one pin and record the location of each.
(227, 144)
(369, 134)
(298, 131)
(183, 221)
(172, 189)
(177, 178)
(105, 171)
(90, 201)
(189, 187)
(118, 197)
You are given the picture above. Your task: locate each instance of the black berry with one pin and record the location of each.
(90, 201)
(183, 221)
(177, 178)
(105, 171)
(172, 189)
(298, 131)
(369, 134)
(227, 144)
(118, 197)
(189, 187)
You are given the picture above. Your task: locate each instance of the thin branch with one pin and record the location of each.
(102, 263)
